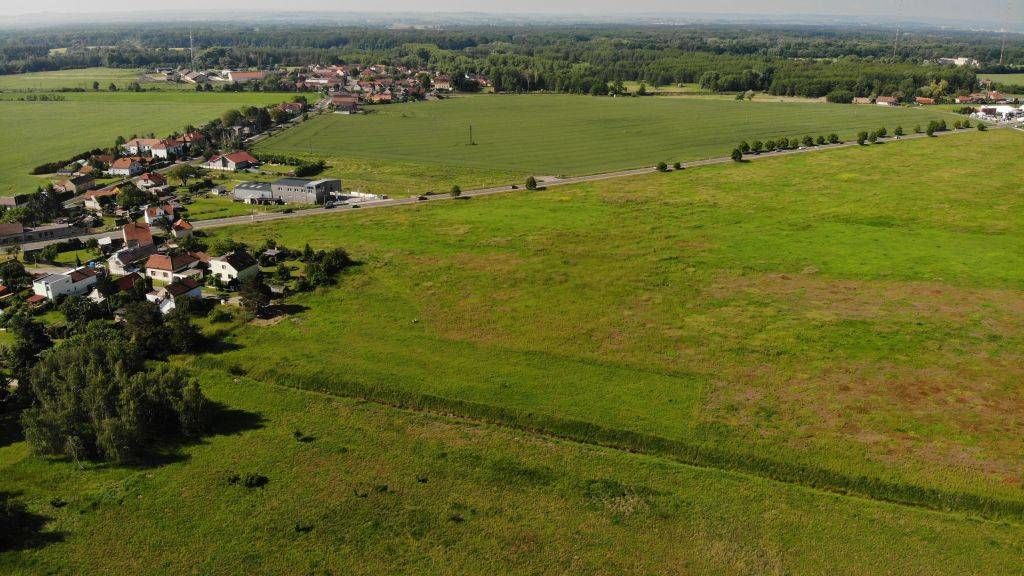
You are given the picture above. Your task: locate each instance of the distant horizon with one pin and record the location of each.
(978, 17)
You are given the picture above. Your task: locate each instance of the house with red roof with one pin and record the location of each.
(137, 234)
(170, 267)
(150, 180)
(126, 167)
(237, 160)
(181, 228)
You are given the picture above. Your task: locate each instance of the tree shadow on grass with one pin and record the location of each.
(10, 429)
(223, 421)
(21, 529)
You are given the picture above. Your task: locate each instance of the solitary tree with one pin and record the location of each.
(737, 156)
(456, 191)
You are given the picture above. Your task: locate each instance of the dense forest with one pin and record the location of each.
(801, 61)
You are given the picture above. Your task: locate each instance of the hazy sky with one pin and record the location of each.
(968, 10)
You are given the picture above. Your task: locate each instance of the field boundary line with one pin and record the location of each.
(689, 453)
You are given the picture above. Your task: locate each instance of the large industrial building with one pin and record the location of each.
(287, 191)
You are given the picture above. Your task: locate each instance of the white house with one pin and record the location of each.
(125, 167)
(237, 265)
(71, 283)
(168, 268)
(183, 287)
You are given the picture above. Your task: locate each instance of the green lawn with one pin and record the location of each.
(832, 309)
(76, 78)
(1015, 79)
(381, 491)
(223, 207)
(426, 145)
(39, 132)
(805, 318)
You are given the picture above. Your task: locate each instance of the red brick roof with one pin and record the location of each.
(181, 286)
(127, 282)
(137, 231)
(170, 263)
(182, 224)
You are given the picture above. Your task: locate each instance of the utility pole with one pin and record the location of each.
(899, 29)
(471, 141)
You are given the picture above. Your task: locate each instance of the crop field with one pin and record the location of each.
(39, 132)
(375, 490)
(561, 135)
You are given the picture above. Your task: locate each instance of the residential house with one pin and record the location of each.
(245, 77)
(168, 268)
(181, 228)
(11, 233)
(125, 167)
(168, 147)
(292, 108)
(195, 78)
(153, 214)
(140, 146)
(122, 284)
(442, 82)
(151, 180)
(234, 266)
(96, 200)
(344, 101)
(237, 160)
(182, 288)
(48, 232)
(14, 201)
(75, 184)
(130, 259)
(75, 282)
(924, 101)
(887, 101)
(137, 234)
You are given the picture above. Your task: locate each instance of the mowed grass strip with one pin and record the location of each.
(82, 78)
(374, 490)
(39, 132)
(832, 310)
(572, 135)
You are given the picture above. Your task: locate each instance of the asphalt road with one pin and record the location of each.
(546, 183)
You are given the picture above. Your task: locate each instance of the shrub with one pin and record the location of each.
(898, 131)
(531, 183)
(840, 96)
(821, 141)
(808, 141)
(982, 127)
(862, 137)
(254, 480)
(737, 156)
(834, 139)
(757, 146)
(662, 167)
(677, 166)
(744, 147)
(882, 132)
(456, 191)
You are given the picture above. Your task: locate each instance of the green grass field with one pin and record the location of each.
(39, 132)
(80, 78)
(831, 320)
(383, 491)
(826, 309)
(1015, 79)
(557, 135)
